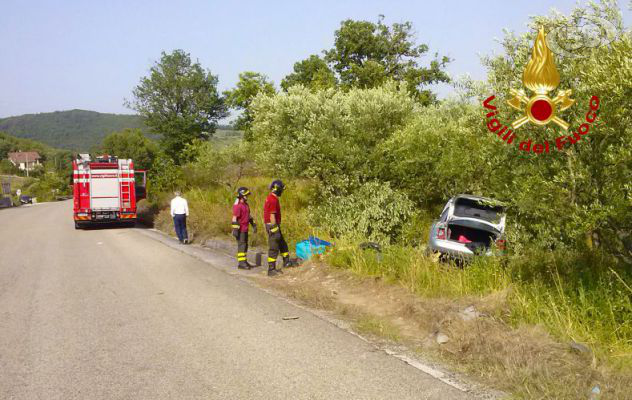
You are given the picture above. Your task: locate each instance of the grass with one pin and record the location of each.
(371, 325)
(581, 298)
(211, 211)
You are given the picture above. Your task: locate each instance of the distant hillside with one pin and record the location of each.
(74, 129)
(78, 130)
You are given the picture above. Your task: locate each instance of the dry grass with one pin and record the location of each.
(523, 360)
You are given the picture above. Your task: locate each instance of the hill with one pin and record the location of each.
(73, 130)
(78, 130)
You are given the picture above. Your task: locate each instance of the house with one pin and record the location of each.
(25, 160)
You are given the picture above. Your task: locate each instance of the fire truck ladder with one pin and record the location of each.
(126, 186)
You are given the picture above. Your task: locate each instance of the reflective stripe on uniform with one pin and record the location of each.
(270, 259)
(285, 254)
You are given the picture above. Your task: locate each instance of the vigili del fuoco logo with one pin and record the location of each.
(541, 78)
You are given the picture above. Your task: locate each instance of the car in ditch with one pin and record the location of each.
(468, 226)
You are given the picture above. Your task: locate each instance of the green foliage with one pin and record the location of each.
(48, 187)
(212, 165)
(331, 136)
(432, 153)
(313, 73)
(166, 176)
(7, 167)
(583, 191)
(179, 100)
(76, 130)
(53, 160)
(374, 211)
(131, 143)
(367, 54)
(250, 84)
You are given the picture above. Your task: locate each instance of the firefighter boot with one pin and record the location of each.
(272, 271)
(244, 265)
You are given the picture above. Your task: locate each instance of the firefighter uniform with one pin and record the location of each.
(241, 221)
(276, 241)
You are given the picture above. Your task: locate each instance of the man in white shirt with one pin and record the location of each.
(180, 212)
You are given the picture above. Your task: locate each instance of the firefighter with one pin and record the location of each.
(240, 224)
(272, 219)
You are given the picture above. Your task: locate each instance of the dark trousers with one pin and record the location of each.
(242, 247)
(276, 244)
(180, 223)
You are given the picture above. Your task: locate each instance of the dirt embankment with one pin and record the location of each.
(467, 334)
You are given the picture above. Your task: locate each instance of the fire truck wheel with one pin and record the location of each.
(77, 225)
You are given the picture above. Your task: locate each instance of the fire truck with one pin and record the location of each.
(105, 190)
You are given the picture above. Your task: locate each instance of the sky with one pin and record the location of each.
(69, 54)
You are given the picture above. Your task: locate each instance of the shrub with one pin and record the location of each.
(375, 211)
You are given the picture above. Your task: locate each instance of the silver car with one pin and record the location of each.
(468, 226)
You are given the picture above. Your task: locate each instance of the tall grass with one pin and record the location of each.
(211, 210)
(581, 297)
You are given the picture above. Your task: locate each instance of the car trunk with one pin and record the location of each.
(475, 236)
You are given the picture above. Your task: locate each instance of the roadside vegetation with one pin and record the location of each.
(47, 182)
(370, 154)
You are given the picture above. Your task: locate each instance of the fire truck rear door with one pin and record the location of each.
(105, 189)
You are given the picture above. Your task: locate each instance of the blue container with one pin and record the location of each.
(307, 248)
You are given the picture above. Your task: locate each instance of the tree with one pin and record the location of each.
(179, 100)
(366, 54)
(131, 143)
(313, 73)
(250, 84)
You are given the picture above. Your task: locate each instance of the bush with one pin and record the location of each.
(374, 211)
(330, 136)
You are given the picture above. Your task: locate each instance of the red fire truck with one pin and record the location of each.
(106, 190)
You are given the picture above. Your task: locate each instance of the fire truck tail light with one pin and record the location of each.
(126, 204)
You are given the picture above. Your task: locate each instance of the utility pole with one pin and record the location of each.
(27, 164)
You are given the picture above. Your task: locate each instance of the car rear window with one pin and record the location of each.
(482, 209)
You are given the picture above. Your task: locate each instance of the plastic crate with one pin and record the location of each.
(307, 248)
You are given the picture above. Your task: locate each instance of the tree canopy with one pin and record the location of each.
(131, 143)
(250, 84)
(179, 101)
(313, 73)
(366, 54)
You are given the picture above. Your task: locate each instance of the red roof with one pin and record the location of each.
(23, 156)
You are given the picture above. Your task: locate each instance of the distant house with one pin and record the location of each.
(25, 160)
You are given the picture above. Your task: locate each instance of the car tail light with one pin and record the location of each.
(441, 233)
(501, 244)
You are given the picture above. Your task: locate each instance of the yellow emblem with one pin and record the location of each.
(541, 77)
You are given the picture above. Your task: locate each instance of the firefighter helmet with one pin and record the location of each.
(277, 187)
(243, 192)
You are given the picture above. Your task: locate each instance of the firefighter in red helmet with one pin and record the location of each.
(272, 219)
(240, 224)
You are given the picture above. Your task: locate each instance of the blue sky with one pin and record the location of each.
(65, 54)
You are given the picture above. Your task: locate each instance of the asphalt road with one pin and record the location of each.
(115, 314)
